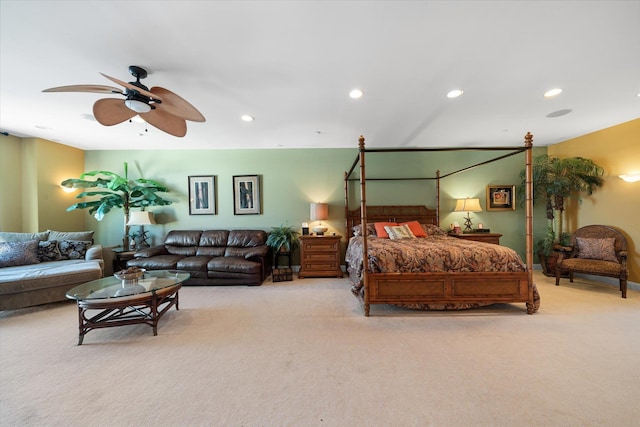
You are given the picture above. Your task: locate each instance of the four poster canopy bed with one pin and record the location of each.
(412, 263)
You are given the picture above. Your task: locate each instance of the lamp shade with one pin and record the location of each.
(319, 211)
(141, 218)
(468, 205)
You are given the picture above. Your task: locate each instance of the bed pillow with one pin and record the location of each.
(73, 249)
(600, 249)
(357, 230)
(433, 230)
(48, 251)
(380, 231)
(415, 228)
(18, 253)
(399, 232)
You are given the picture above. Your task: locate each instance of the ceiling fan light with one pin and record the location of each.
(137, 106)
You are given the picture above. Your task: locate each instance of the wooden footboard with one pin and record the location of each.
(447, 288)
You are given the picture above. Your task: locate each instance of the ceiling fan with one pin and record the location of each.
(157, 106)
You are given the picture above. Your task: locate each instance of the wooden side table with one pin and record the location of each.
(320, 256)
(120, 258)
(479, 237)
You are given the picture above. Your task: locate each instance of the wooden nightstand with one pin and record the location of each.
(320, 256)
(479, 237)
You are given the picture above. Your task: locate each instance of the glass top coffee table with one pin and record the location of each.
(112, 302)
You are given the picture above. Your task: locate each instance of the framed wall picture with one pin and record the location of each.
(501, 197)
(246, 195)
(202, 195)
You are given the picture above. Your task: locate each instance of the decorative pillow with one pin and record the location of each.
(18, 253)
(399, 232)
(71, 235)
(371, 230)
(602, 249)
(48, 251)
(7, 236)
(380, 228)
(415, 228)
(433, 230)
(73, 249)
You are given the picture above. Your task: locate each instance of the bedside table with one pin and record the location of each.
(320, 256)
(120, 258)
(479, 237)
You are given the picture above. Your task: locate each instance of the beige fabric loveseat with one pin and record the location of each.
(39, 268)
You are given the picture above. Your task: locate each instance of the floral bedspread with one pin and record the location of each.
(432, 254)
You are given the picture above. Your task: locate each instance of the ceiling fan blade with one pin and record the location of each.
(85, 88)
(111, 111)
(176, 105)
(165, 122)
(130, 86)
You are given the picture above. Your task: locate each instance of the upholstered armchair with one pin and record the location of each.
(597, 250)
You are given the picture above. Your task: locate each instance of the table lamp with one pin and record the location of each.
(319, 212)
(468, 205)
(141, 218)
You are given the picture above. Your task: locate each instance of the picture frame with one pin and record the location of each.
(247, 198)
(501, 197)
(202, 195)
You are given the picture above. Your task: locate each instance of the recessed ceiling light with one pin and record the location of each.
(356, 93)
(247, 118)
(455, 93)
(552, 92)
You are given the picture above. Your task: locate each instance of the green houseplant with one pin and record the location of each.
(283, 239)
(555, 180)
(116, 192)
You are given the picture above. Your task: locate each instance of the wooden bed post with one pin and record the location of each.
(528, 143)
(363, 225)
(438, 197)
(346, 205)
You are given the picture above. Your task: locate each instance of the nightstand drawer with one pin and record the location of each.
(331, 245)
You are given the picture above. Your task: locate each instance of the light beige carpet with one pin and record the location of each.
(301, 353)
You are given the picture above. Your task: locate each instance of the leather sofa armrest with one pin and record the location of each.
(152, 251)
(257, 252)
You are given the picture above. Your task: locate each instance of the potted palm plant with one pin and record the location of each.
(116, 191)
(283, 239)
(554, 181)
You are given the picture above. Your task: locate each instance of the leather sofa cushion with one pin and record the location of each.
(214, 238)
(193, 263)
(246, 238)
(234, 265)
(160, 262)
(210, 251)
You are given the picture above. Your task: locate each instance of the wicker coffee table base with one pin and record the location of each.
(147, 308)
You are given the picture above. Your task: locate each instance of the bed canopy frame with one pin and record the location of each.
(445, 288)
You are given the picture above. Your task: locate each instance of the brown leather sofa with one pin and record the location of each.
(212, 257)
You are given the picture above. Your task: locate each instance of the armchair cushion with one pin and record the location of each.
(602, 248)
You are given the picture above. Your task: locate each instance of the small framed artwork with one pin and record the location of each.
(246, 195)
(202, 195)
(501, 197)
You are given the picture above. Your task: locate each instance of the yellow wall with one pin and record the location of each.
(31, 172)
(10, 189)
(616, 203)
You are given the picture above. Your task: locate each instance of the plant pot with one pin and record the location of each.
(548, 263)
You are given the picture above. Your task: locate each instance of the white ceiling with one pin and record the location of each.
(292, 64)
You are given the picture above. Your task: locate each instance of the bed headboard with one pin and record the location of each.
(393, 213)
